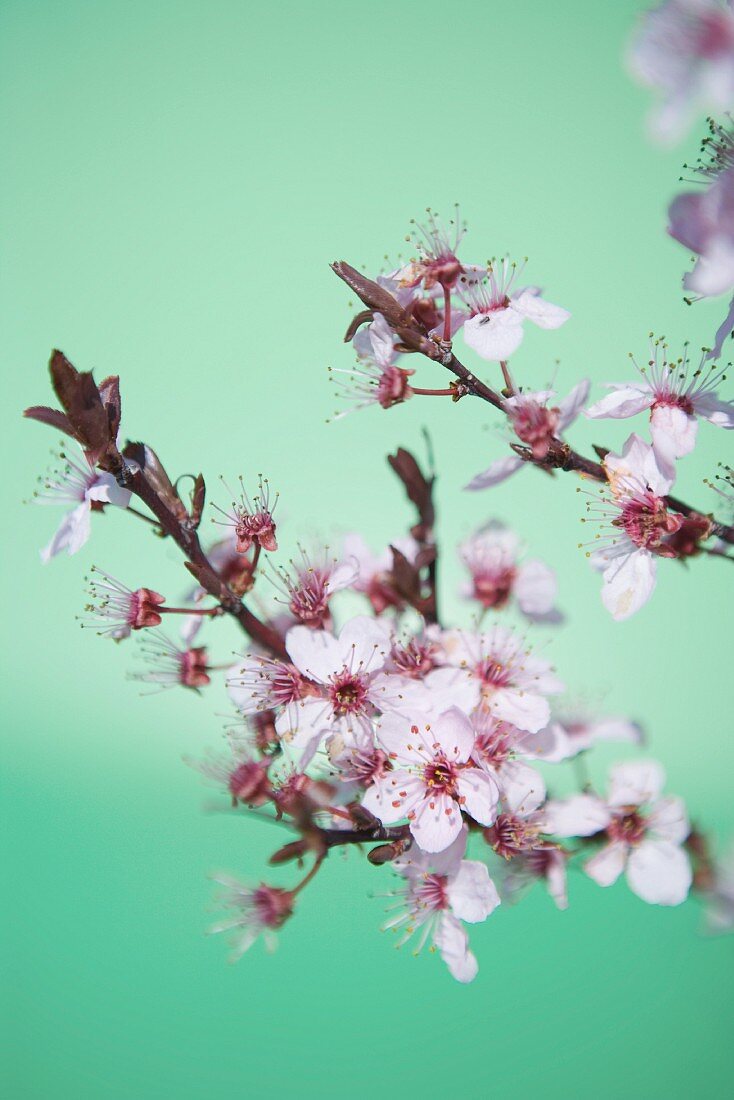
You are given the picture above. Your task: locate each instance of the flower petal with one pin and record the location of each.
(607, 865)
(472, 894)
(635, 782)
(495, 474)
(495, 335)
(629, 582)
(659, 872)
(621, 402)
(581, 815)
(480, 794)
(536, 309)
(436, 822)
(453, 943)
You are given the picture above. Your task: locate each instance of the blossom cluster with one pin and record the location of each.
(436, 296)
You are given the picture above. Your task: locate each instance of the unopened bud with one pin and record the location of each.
(295, 850)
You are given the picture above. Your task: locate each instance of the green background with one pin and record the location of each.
(176, 178)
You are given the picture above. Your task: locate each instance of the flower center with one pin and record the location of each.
(493, 589)
(272, 905)
(431, 892)
(675, 401)
(629, 828)
(393, 386)
(193, 667)
(441, 776)
(535, 425)
(492, 673)
(646, 521)
(348, 694)
(511, 835)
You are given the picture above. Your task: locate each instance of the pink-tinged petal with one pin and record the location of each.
(299, 722)
(629, 582)
(381, 340)
(452, 687)
(480, 795)
(614, 729)
(570, 407)
(446, 862)
(717, 412)
(106, 490)
(404, 738)
(541, 313)
(472, 894)
(581, 815)
(393, 797)
(713, 273)
(638, 463)
(453, 943)
(668, 820)
(659, 872)
(343, 575)
(607, 865)
(436, 822)
(495, 474)
(621, 402)
(71, 534)
(536, 588)
(555, 877)
(673, 431)
(494, 336)
(453, 731)
(686, 221)
(315, 653)
(522, 787)
(552, 744)
(364, 642)
(723, 332)
(525, 710)
(635, 782)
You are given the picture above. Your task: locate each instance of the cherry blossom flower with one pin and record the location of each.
(310, 585)
(244, 776)
(414, 657)
(519, 825)
(258, 685)
(118, 610)
(494, 327)
(172, 664)
(644, 833)
(374, 572)
(637, 524)
(377, 380)
(443, 890)
(252, 520)
(433, 778)
(676, 393)
(496, 672)
(497, 747)
(535, 424)
(347, 674)
(261, 911)
(491, 555)
(684, 49)
(83, 489)
(437, 263)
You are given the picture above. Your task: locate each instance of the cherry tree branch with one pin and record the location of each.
(414, 338)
